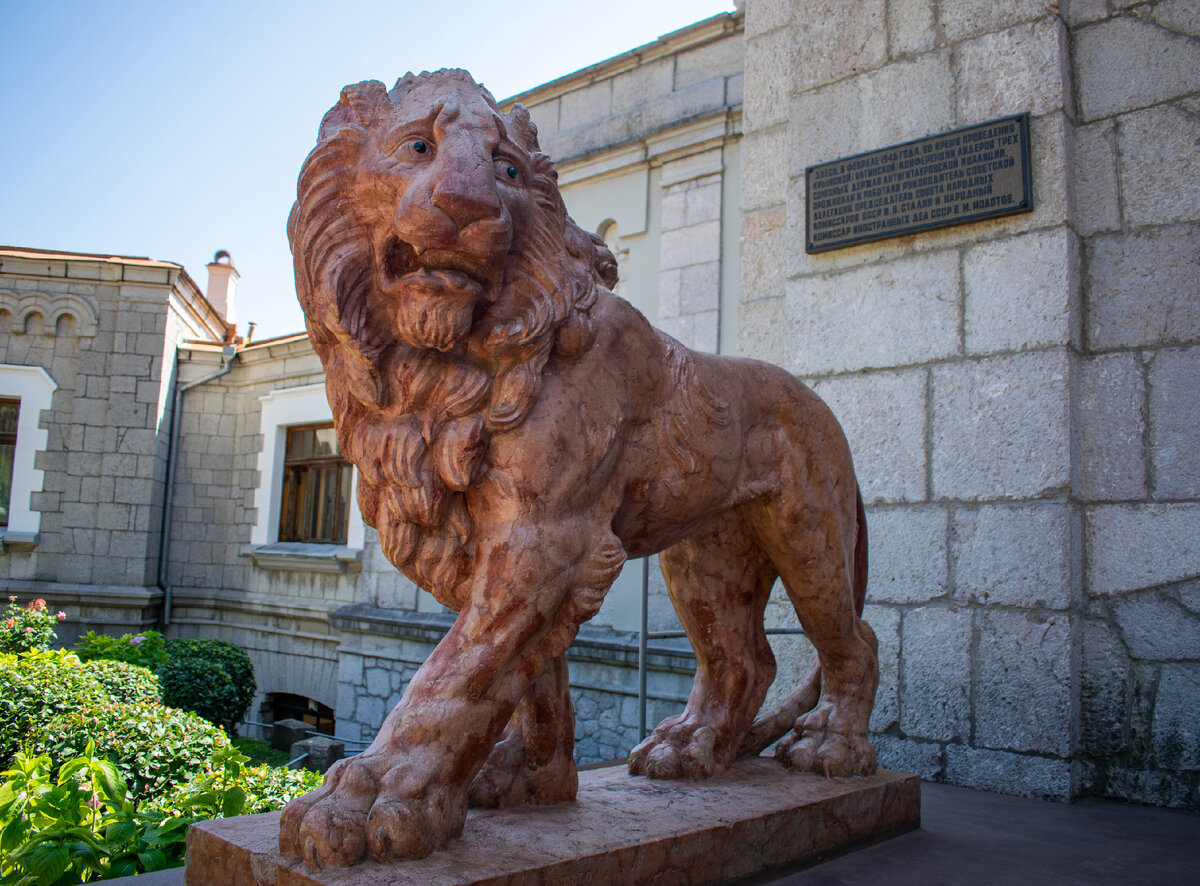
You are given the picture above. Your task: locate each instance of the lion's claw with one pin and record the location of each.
(678, 749)
(817, 745)
(364, 809)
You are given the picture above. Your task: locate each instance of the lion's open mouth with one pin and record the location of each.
(430, 271)
(433, 296)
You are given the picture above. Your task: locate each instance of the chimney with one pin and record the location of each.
(222, 283)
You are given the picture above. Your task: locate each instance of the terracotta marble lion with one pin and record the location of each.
(520, 431)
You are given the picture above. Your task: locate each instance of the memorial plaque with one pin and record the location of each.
(965, 175)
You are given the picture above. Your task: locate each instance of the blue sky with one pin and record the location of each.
(172, 130)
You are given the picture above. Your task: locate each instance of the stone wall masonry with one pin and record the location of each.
(103, 478)
(1019, 394)
(1137, 185)
(629, 98)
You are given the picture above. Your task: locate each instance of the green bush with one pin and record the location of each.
(85, 824)
(37, 686)
(213, 678)
(23, 628)
(153, 747)
(147, 649)
(124, 682)
(261, 788)
(80, 826)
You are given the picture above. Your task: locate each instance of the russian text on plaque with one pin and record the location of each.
(965, 175)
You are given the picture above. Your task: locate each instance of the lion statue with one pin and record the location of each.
(519, 432)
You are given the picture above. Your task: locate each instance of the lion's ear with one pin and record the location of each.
(520, 124)
(359, 104)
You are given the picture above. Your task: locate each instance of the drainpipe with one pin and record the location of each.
(228, 355)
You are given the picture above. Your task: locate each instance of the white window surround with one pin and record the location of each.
(35, 388)
(281, 409)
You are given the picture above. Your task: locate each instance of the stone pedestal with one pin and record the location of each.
(621, 829)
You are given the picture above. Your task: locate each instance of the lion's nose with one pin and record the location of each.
(466, 199)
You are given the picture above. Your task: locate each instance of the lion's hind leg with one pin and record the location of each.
(719, 582)
(534, 760)
(819, 565)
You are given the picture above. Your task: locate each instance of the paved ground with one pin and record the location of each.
(980, 839)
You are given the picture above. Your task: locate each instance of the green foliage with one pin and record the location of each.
(124, 682)
(79, 826)
(231, 787)
(29, 627)
(260, 752)
(86, 824)
(154, 747)
(147, 649)
(37, 686)
(213, 678)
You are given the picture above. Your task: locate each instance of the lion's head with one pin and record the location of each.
(438, 272)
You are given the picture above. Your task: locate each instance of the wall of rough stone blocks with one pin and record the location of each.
(1015, 390)
(1136, 70)
(97, 553)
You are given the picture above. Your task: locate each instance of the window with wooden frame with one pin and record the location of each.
(315, 503)
(9, 412)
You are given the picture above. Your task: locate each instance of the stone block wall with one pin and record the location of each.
(105, 330)
(1136, 181)
(1013, 390)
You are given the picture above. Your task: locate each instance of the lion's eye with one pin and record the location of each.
(506, 169)
(420, 147)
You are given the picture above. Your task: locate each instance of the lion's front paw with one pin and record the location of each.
(817, 744)
(327, 827)
(412, 827)
(680, 749)
(369, 807)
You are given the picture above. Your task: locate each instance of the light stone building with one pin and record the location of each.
(1021, 394)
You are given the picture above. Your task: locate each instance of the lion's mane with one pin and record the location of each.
(417, 422)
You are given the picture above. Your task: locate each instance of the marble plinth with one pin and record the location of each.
(622, 829)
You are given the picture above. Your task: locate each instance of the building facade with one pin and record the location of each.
(1020, 395)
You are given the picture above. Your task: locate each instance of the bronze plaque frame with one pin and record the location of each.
(954, 178)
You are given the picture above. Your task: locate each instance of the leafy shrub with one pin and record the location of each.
(147, 649)
(80, 826)
(154, 747)
(38, 686)
(124, 682)
(24, 628)
(231, 787)
(213, 678)
(261, 753)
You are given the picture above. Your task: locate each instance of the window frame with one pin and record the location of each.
(292, 525)
(33, 387)
(281, 409)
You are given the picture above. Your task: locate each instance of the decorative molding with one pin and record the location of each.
(301, 557)
(51, 307)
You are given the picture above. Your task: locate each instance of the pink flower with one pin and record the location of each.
(38, 605)
(62, 616)
(9, 623)
(12, 599)
(29, 630)
(137, 640)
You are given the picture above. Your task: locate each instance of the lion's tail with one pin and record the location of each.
(771, 726)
